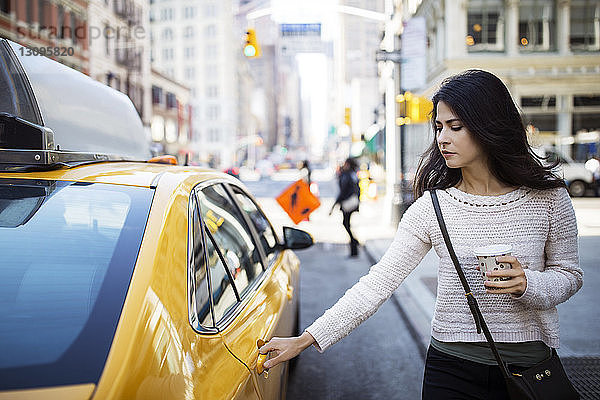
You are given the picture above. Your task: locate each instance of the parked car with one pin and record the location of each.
(121, 278)
(577, 177)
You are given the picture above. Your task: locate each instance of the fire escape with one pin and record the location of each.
(128, 53)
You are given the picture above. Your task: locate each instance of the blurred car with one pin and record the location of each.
(125, 279)
(233, 171)
(577, 177)
(265, 168)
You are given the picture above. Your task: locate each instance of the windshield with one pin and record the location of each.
(67, 252)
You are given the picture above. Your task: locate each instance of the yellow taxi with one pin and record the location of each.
(125, 279)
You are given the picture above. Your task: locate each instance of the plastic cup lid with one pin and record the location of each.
(492, 250)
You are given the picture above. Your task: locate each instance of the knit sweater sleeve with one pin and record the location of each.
(408, 248)
(562, 277)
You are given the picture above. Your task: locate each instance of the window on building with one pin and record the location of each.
(586, 122)
(213, 135)
(190, 73)
(590, 100)
(485, 25)
(106, 40)
(157, 128)
(189, 52)
(156, 95)
(167, 34)
(585, 25)
(171, 100)
(212, 91)
(168, 54)
(544, 101)
(74, 33)
(189, 12)
(541, 122)
(188, 32)
(213, 112)
(166, 14)
(5, 6)
(60, 25)
(41, 13)
(29, 11)
(210, 10)
(537, 25)
(210, 31)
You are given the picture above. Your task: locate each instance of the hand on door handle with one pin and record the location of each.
(260, 361)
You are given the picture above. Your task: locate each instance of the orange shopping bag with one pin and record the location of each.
(298, 201)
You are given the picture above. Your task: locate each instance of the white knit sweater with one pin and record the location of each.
(540, 226)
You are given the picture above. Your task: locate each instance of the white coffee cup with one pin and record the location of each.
(486, 257)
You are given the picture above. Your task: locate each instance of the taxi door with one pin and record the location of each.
(271, 309)
(263, 282)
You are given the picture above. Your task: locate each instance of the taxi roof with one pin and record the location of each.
(75, 113)
(128, 173)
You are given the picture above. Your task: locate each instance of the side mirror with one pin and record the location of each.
(296, 238)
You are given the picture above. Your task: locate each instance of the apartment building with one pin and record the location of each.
(193, 43)
(546, 51)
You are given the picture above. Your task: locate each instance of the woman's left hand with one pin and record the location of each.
(517, 283)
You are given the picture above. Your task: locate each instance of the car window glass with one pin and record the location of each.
(263, 227)
(231, 234)
(223, 295)
(198, 282)
(67, 257)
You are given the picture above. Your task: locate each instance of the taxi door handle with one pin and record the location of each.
(260, 361)
(290, 292)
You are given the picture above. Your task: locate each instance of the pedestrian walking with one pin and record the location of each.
(306, 172)
(492, 190)
(348, 199)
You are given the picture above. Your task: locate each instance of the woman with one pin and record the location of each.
(492, 190)
(348, 199)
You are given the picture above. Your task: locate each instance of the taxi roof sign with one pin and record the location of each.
(85, 116)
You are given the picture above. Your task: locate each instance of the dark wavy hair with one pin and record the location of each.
(483, 104)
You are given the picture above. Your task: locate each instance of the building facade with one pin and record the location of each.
(56, 28)
(171, 118)
(547, 52)
(193, 43)
(360, 39)
(119, 44)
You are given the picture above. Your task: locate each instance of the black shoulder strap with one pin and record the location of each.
(479, 321)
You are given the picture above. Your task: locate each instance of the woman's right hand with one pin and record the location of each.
(284, 349)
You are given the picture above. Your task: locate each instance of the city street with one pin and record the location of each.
(395, 338)
(379, 360)
(139, 137)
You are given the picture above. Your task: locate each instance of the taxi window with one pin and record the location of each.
(228, 228)
(223, 294)
(259, 221)
(198, 284)
(67, 252)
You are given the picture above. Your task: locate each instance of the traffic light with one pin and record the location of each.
(413, 109)
(251, 47)
(348, 116)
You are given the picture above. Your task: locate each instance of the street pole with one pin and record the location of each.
(392, 156)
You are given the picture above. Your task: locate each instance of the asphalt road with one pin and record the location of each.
(379, 360)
